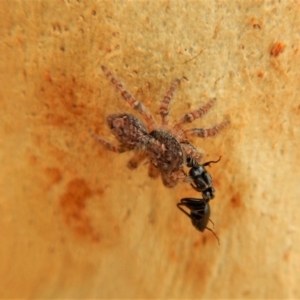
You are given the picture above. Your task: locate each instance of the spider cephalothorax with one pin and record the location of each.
(166, 148)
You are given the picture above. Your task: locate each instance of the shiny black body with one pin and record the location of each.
(199, 208)
(199, 211)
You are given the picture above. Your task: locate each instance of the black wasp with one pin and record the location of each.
(199, 208)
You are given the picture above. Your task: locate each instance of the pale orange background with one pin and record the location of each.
(75, 222)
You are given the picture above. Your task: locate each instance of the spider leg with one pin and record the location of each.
(196, 114)
(189, 179)
(165, 103)
(108, 145)
(192, 152)
(167, 180)
(170, 180)
(153, 172)
(207, 132)
(134, 103)
(134, 162)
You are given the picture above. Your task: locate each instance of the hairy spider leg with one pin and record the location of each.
(207, 132)
(165, 102)
(196, 114)
(134, 103)
(192, 152)
(138, 157)
(108, 145)
(170, 180)
(153, 172)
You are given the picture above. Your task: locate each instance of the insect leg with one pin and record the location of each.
(179, 206)
(212, 161)
(213, 234)
(212, 223)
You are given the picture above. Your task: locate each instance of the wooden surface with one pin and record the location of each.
(75, 222)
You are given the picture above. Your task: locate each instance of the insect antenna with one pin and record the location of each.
(214, 234)
(212, 161)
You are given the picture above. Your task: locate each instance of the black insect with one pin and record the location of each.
(199, 208)
(201, 178)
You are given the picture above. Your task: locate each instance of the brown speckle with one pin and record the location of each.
(73, 204)
(277, 48)
(287, 255)
(260, 74)
(54, 174)
(236, 201)
(48, 77)
(255, 23)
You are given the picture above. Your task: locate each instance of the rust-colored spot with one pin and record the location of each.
(33, 160)
(196, 268)
(277, 48)
(167, 54)
(54, 174)
(73, 204)
(205, 238)
(287, 255)
(64, 100)
(201, 241)
(55, 120)
(260, 74)
(236, 201)
(48, 77)
(152, 217)
(173, 256)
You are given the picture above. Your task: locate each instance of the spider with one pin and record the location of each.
(166, 148)
(199, 208)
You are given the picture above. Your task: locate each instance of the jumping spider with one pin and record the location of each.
(166, 148)
(199, 208)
